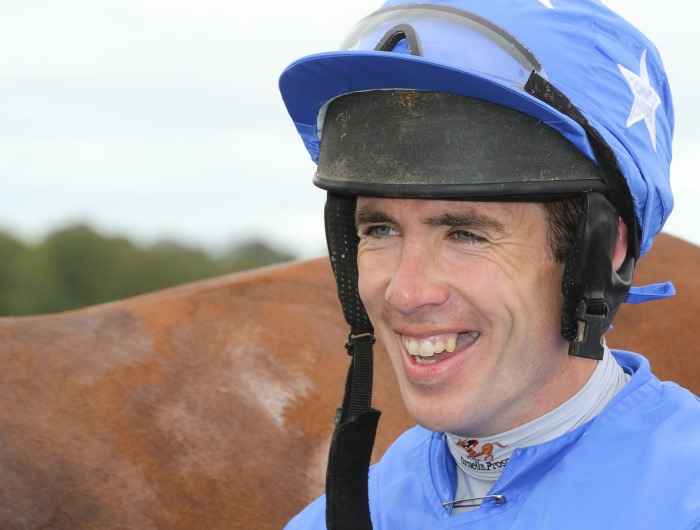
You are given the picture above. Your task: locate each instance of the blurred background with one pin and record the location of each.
(143, 143)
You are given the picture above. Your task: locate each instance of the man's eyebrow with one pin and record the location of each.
(467, 219)
(368, 216)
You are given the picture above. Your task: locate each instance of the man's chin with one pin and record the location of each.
(434, 417)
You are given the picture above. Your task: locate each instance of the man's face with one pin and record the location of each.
(467, 300)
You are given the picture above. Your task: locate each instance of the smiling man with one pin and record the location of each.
(466, 299)
(494, 171)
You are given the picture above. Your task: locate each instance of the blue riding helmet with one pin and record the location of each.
(609, 71)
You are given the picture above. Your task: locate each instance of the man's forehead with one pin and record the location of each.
(435, 207)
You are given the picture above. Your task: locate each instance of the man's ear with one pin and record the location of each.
(620, 251)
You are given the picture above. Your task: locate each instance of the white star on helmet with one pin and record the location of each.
(646, 100)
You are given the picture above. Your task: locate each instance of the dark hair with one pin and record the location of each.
(563, 217)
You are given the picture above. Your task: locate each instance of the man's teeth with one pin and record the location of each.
(431, 346)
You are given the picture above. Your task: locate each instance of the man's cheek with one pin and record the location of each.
(370, 298)
(369, 281)
(363, 286)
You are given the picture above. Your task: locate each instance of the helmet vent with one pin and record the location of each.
(400, 39)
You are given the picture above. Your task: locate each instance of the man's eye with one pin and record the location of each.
(466, 236)
(377, 231)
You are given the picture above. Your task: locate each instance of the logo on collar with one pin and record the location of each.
(478, 450)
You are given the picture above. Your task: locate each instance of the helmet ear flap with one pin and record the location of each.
(342, 240)
(593, 290)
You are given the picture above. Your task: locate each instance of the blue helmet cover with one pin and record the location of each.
(608, 69)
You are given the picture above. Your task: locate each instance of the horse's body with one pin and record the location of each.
(209, 406)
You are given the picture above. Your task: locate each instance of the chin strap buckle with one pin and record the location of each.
(593, 320)
(360, 343)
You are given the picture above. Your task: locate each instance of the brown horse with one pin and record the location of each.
(210, 405)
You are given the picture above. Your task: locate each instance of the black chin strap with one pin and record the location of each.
(347, 506)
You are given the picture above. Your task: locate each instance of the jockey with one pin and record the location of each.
(494, 172)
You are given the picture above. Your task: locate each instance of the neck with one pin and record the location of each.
(566, 382)
(559, 383)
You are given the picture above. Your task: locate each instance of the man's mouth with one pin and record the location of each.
(432, 349)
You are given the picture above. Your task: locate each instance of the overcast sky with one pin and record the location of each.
(162, 118)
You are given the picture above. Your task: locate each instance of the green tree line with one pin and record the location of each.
(77, 266)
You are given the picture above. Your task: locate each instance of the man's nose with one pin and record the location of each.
(415, 282)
